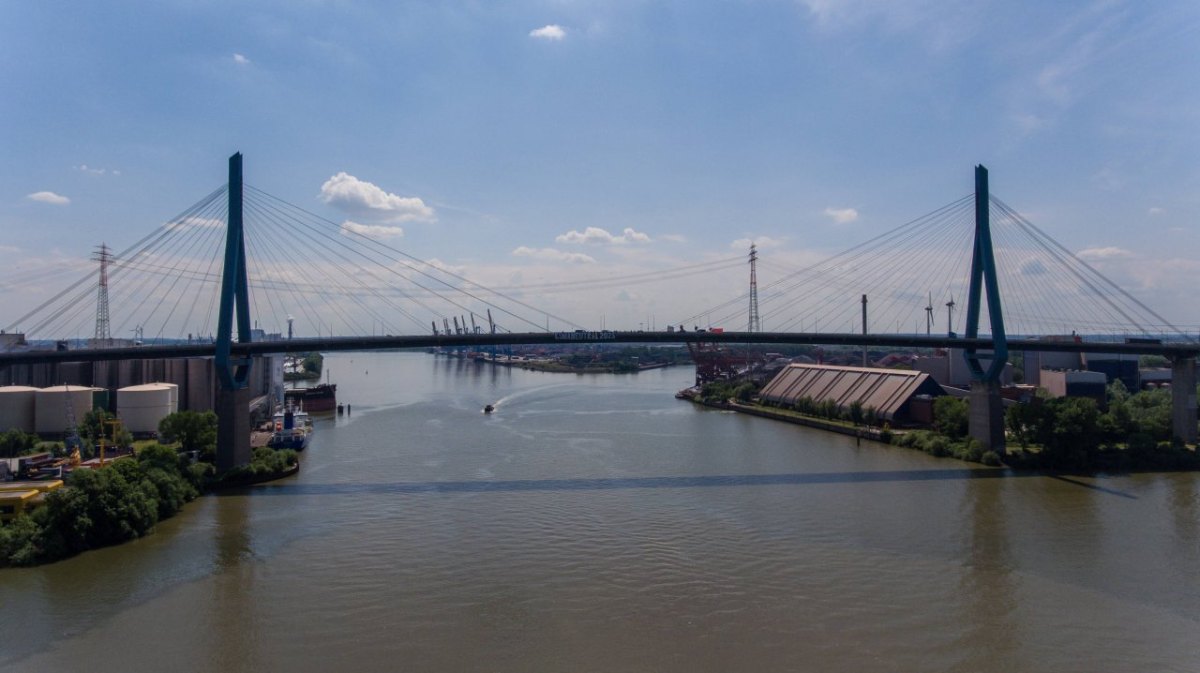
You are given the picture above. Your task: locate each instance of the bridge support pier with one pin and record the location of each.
(986, 421)
(1183, 399)
(233, 428)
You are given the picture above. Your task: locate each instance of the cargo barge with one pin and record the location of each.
(313, 399)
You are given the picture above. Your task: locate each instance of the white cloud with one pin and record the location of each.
(841, 215)
(673, 238)
(367, 201)
(49, 197)
(92, 170)
(1110, 178)
(1058, 80)
(1103, 253)
(240, 59)
(1156, 211)
(554, 255)
(940, 26)
(759, 241)
(197, 222)
(371, 230)
(553, 32)
(452, 268)
(1029, 122)
(1168, 274)
(598, 235)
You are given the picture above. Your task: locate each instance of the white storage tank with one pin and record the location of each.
(51, 406)
(142, 407)
(16, 408)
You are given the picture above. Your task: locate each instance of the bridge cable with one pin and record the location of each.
(379, 244)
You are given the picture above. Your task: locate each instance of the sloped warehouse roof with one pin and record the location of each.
(888, 391)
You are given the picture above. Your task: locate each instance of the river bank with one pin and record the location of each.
(839, 427)
(124, 501)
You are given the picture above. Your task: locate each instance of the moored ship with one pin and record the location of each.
(313, 399)
(293, 427)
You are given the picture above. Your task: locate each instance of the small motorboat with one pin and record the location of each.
(489, 409)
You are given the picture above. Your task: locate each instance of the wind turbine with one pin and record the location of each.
(950, 316)
(929, 315)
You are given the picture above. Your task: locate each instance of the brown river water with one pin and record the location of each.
(595, 523)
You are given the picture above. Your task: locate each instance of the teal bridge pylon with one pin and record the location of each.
(983, 278)
(233, 373)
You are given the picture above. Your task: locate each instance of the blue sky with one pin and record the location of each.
(489, 132)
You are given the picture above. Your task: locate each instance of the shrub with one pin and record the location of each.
(1140, 442)
(886, 435)
(991, 458)
(951, 416)
(19, 542)
(970, 450)
(264, 462)
(938, 447)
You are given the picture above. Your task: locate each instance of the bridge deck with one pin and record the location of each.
(480, 341)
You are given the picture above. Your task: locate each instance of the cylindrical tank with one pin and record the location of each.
(142, 407)
(17, 408)
(51, 407)
(100, 399)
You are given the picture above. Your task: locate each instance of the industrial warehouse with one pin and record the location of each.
(896, 395)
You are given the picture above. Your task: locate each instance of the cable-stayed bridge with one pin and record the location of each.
(966, 275)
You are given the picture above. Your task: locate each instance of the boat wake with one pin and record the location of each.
(521, 394)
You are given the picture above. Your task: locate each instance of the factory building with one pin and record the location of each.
(891, 392)
(1075, 383)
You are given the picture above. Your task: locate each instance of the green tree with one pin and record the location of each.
(193, 430)
(312, 363)
(98, 508)
(1150, 361)
(15, 443)
(120, 501)
(165, 469)
(1025, 422)
(98, 423)
(951, 416)
(1074, 434)
(1150, 411)
(20, 542)
(856, 412)
(1116, 423)
(871, 416)
(1117, 392)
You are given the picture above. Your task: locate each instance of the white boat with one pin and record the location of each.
(293, 428)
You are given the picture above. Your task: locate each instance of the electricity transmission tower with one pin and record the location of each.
(755, 320)
(103, 332)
